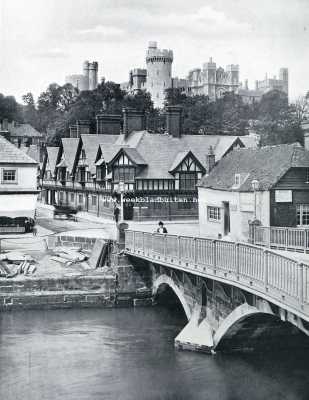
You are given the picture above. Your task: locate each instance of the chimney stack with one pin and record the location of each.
(305, 128)
(73, 131)
(210, 160)
(83, 127)
(5, 124)
(133, 120)
(246, 84)
(108, 124)
(256, 85)
(174, 121)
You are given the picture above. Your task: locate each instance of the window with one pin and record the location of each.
(9, 176)
(187, 180)
(72, 197)
(307, 175)
(302, 214)
(124, 174)
(94, 200)
(80, 198)
(213, 213)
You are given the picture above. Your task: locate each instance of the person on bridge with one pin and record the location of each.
(161, 228)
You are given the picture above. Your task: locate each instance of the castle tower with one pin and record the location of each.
(85, 84)
(233, 71)
(93, 75)
(284, 76)
(159, 73)
(209, 79)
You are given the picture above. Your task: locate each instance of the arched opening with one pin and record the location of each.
(167, 298)
(261, 332)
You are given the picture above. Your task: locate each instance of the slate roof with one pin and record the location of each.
(91, 144)
(267, 164)
(52, 154)
(33, 151)
(178, 159)
(24, 130)
(69, 146)
(10, 154)
(159, 150)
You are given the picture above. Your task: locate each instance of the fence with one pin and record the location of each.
(260, 270)
(282, 238)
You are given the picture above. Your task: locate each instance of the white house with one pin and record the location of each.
(18, 184)
(269, 184)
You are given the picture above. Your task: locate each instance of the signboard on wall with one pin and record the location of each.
(283, 196)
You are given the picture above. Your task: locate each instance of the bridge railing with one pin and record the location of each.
(266, 271)
(282, 238)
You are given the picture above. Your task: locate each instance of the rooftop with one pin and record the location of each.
(267, 165)
(10, 154)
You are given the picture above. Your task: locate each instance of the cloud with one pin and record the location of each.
(51, 53)
(99, 32)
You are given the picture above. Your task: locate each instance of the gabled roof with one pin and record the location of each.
(24, 130)
(69, 150)
(52, 155)
(10, 154)
(267, 165)
(134, 156)
(181, 156)
(159, 150)
(92, 142)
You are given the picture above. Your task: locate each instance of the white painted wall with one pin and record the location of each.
(241, 211)
(19, 204)
(26, 177)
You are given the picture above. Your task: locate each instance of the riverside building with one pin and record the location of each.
(159, 171)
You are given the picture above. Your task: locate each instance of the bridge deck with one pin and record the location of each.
(275, 277)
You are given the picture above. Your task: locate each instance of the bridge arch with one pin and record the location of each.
(167, 280)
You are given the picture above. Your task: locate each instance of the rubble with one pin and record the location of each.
(13, 263)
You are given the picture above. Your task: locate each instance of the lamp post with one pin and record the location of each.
(255, 186)
(121, 190)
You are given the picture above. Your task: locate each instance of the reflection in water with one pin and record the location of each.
(128, 354)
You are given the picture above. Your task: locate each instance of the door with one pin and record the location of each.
(227, 228)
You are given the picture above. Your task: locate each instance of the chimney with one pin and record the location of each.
(108, 124)
(210, 160)
(246, 84)
(174, 121)
(73, 131)
(305, 128)
(256, 85)
(83, 127)
(133, 120)
(5, 124)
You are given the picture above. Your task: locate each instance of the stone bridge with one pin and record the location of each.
(235, 296)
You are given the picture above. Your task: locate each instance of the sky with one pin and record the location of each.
(42, 41)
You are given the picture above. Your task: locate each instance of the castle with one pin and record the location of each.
(210, 80)
(86, 81)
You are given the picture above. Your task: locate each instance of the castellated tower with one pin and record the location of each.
(88, 80)
(159, 72)
(284, 77)
(93, 75)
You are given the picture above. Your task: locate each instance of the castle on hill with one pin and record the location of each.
(210, 80)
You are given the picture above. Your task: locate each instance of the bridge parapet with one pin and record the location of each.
(274, 277)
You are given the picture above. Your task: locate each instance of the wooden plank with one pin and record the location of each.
(94, 259)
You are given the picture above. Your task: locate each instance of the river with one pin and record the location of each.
(128, 354)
